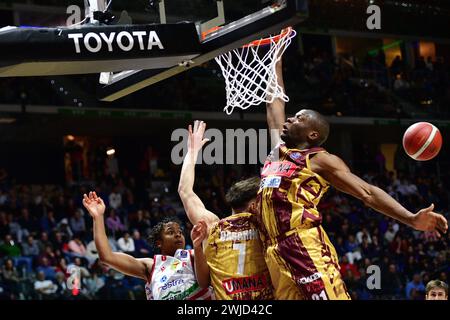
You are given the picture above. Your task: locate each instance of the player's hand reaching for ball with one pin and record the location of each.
(94, 205)
(195, 139)
(427, 220)
(198, 233)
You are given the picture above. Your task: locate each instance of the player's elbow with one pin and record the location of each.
(182, 190)
(367, 196)
(185, 193)
(105, 257)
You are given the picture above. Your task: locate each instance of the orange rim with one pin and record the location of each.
(269, 40)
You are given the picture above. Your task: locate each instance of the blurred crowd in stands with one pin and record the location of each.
(46, 235)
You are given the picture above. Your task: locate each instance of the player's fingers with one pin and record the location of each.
(431, 208)
(195, 126)
(440, 222)
(443, 222)
(190, 129)
(205, 141)
(202, 127)
(440, 225)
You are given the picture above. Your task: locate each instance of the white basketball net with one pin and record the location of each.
(251, 79)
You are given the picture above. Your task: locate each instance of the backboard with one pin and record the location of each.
(240, 22)
(143, 44)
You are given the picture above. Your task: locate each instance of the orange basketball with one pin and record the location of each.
(422, 141)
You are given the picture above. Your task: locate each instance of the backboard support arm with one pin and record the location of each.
(93, 6)
(215, 22)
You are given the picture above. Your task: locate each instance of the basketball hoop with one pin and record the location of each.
(250, 76)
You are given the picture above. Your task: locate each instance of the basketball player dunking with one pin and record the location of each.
(303, 263)
(228, 252)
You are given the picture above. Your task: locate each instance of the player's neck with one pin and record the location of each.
(235, 212)
(299, 146)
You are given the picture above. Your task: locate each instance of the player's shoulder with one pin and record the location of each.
(326, 160)
(325, 157)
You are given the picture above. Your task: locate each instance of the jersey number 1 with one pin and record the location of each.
(241, 261)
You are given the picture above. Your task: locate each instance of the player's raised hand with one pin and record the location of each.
(196, 139)
(94, 205)
(198, 233)
(427, 220)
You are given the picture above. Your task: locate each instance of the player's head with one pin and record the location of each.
(436, 290)
(167, 237)
(242, 195)
(307, 128)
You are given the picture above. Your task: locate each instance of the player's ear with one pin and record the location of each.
(253, 206)
(313, 135)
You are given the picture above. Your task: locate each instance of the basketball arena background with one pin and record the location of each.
(58, 140)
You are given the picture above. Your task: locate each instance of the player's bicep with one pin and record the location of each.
(129, 265)
(338, 174)
(276, 115)
(275, 120)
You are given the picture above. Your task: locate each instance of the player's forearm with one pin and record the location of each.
(201, 267)
(275, 111)
(385, 204)
(187, 176)
(101, 240)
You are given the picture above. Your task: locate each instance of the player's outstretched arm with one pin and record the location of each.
(275, 111)
(122, 262)
(333, 169)
(195, 209)
(198, 235)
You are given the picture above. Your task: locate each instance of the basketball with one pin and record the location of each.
(422, 141)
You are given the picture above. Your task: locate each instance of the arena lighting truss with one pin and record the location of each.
(131, 57)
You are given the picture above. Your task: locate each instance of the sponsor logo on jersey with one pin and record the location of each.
(310, 278)
(181, 295)
(244, 284)
(183, 254)
(279, 168)
(174, 265)
(270, 182)
(123, 41)
(246, 235)
(173, 283)
(295, 155)
(163, 279)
